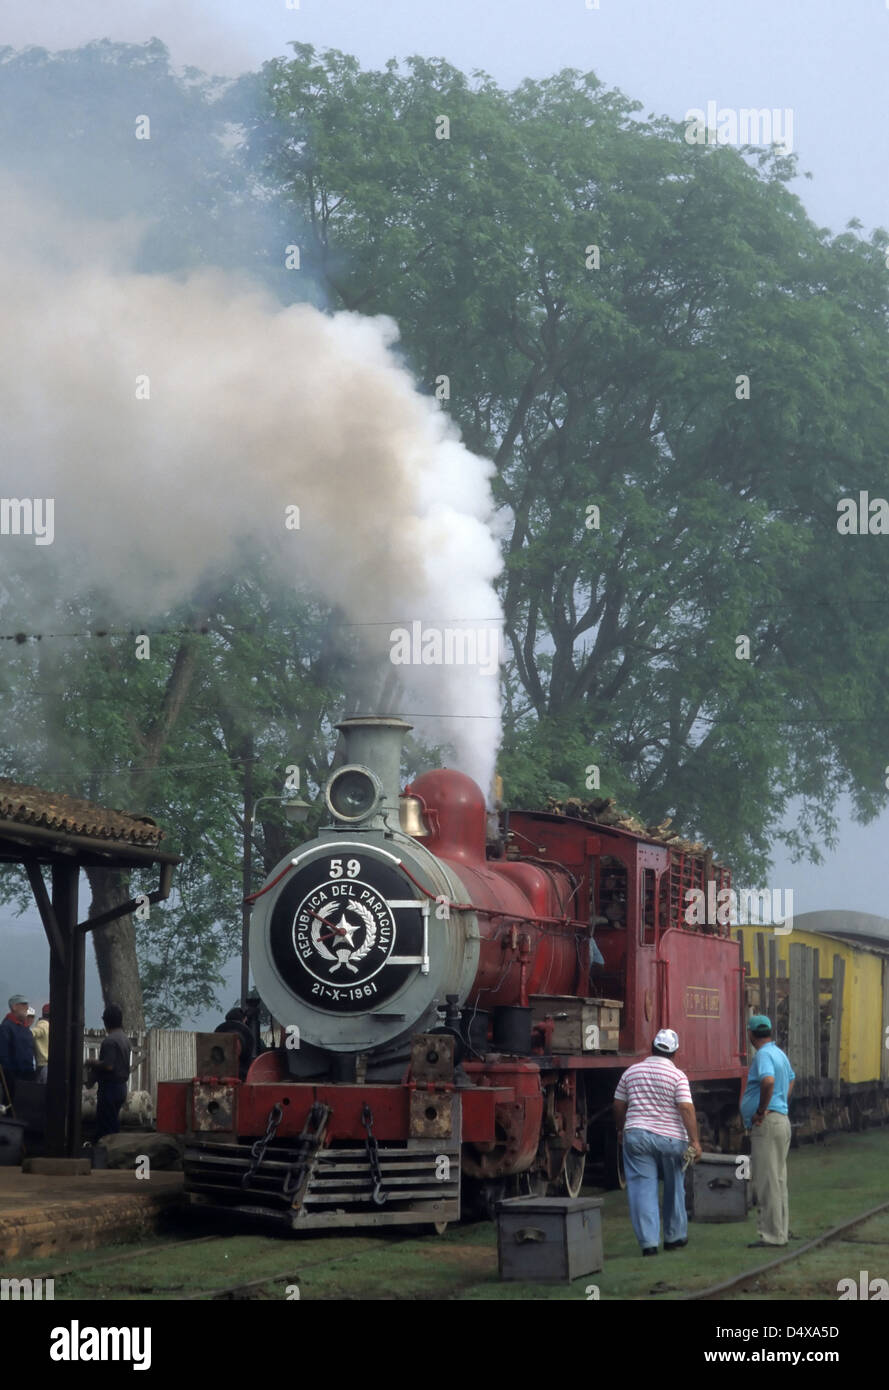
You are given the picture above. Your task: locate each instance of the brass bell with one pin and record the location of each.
(410, 816)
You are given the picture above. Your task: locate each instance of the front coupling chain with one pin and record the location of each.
(276, 1115)
(378, 1196)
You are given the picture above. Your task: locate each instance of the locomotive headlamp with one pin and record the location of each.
(353, 793)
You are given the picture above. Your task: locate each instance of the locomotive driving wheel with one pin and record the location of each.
(570, 1179)
(613, 1159)
(571, 1176)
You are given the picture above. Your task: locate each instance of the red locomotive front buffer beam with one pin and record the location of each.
(251, 1104)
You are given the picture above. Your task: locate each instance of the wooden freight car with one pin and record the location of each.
(825, 986)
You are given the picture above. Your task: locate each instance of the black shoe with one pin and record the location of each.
(764, 1245)
(675, 1244)
(650, 1250)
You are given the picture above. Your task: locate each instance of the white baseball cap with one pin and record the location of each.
(32, 1012)
(667, 1040)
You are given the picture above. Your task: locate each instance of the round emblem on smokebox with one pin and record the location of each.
(346, 943)
(352, 933)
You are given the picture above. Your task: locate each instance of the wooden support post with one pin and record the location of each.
(836, 1022)
(761, 969)
(808, 1038)
(66, 1019)
(796, 1031)
(57, 1070)
(773, 971)
(77, 958)
(884, 1051)
(816, 1016)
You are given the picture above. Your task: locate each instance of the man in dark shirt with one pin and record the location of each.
(112, 1072)
(236, 1022)
(16, 1045)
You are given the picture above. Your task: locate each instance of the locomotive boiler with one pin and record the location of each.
(456, 1001)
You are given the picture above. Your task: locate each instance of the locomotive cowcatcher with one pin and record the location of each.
(457, 996)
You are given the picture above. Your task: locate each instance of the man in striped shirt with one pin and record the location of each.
(655, 1121)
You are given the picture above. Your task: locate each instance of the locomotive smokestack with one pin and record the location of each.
(371, 744)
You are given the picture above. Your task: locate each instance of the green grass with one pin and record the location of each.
(829, 1183)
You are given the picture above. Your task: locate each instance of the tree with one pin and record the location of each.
(72, 123)
(656, 330)
(255, 679)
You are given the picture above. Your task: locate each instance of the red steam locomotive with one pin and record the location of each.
(457, 1001)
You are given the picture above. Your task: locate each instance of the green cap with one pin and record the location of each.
(758, 1023)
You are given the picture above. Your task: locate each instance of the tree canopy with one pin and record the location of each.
(657, 330)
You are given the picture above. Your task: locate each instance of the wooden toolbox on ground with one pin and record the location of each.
(580, 1025)
(549, 1239)
(715, 1189)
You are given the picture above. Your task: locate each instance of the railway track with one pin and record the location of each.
(241, 1289)
(126, 1256)
(729, 1285)
(245, 1289)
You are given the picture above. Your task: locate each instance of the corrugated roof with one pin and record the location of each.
(32, 806)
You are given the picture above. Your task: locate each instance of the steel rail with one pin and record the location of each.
(229, 1290)
(717, 1290)
(124, 1257)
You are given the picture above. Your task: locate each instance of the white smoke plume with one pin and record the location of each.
(252, 408)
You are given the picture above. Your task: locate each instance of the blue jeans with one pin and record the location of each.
(648, 1157)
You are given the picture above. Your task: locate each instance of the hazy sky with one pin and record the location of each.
(824, 62)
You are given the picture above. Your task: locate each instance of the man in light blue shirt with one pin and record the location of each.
(764, 1112)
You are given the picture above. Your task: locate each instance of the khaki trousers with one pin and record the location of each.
(769, 1145)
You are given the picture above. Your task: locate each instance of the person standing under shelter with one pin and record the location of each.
(16, 1045)
(40, 1034)
(111, 1071)
(764, 1110)
(235, 1021)
(655, 1121)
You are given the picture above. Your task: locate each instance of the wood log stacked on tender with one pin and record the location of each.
(603, 810)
